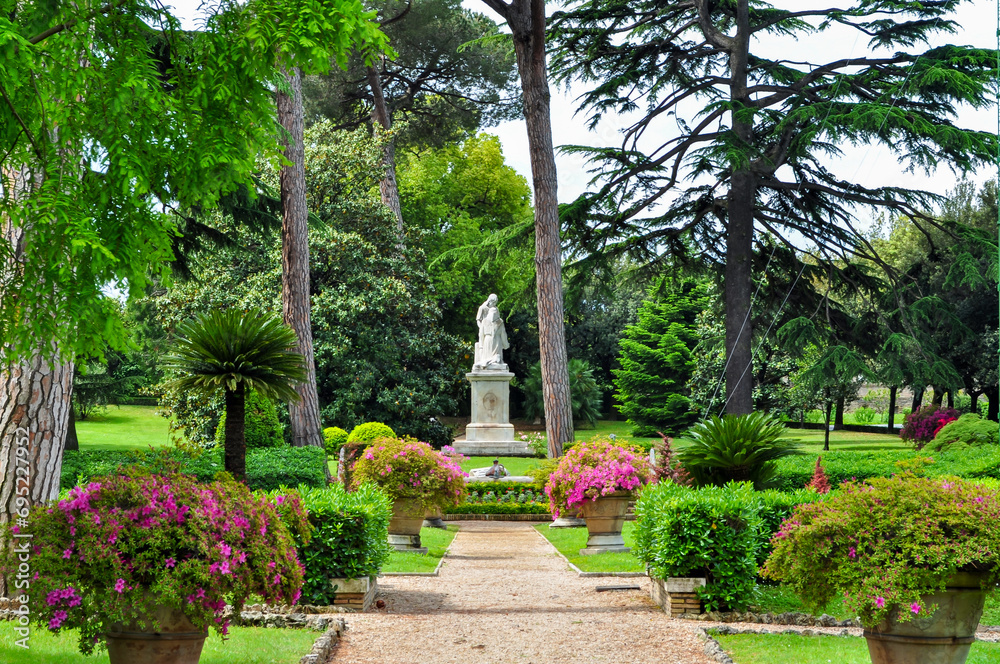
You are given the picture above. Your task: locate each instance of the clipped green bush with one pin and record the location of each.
(333, 439)
(262, 428)
(775, 507)
(370, 431)
(501, 487)
(270, 469)
(735, 448)
(498, 508)
(970, 430)
(712, 532)
(349, 537)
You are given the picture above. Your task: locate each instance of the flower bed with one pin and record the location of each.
(411, 470)
(117, 547)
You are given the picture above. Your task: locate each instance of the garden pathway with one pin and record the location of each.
(505, 596)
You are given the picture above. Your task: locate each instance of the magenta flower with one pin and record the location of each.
(880, 602)
(170, 562)
(915, 608)
(120, 585)
(852, 553)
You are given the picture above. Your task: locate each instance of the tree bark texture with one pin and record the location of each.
(295, 293)
(387, 186)
(526, 19)
(236, 445)
(891, 417)
(72, 440)
(34, 412)
(739, 241)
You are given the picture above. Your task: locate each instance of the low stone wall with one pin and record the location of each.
(322, 650)
(677, 596)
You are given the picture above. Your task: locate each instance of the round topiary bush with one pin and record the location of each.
(369, 432)
(262, 426)
(333, 439)
(969, 429)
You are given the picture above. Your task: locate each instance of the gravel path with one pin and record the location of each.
(504, 596)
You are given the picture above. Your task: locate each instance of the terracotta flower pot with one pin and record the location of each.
(942, 638)
(177, 642)
(605, 518)
(404, 527)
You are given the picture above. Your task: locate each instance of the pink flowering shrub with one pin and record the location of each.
(886, 542)
(921, 427)
(406, 469)
(593, 469)
(116, 547)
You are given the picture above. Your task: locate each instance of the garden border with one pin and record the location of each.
(437, 569)
(581, 573)
(323, 646)
(540, 518)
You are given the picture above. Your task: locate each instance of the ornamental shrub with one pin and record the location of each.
(920, 427)
(349, 537)
(123, 543)
(712, 532)
(498, 508)
(369, 432)
(740, 448)
(970, 430)
(596, 468)
(270, 469)
(262, 428)
(819, 483)
(776, 506)
(333, 439)
(884, 543)
(411, 470)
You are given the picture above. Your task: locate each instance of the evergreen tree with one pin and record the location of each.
(656, 361)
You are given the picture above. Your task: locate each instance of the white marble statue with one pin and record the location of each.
(492, 337)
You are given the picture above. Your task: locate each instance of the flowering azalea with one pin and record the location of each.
(593, 469)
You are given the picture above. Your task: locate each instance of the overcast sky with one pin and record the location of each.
(870, 166)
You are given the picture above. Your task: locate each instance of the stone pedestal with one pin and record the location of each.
(490, 433)
(407, 543)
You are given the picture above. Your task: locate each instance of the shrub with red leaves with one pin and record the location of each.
(819, 482)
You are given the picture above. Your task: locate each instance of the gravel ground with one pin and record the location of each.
(505, 596)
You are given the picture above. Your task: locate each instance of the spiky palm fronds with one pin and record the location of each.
(222, 349)
(735, 447)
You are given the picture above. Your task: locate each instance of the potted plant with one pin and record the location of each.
(416, 477)
(598, 478)
(144, 563)
(913, 557)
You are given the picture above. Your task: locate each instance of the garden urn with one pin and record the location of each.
(404, 527)
(178, 641)
(942, 638)
(605, 517)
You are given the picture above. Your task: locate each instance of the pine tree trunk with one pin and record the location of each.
(236, 445)
(918, 397)
(295, 294)
(387, 186)
(34, 412)
(526, 19)
(739, 241)
(838, 417)
(993, 406)
(826, 429)
(72, 441)
(951, 398)
(891, 417)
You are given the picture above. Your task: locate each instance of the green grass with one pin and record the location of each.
(437, 542)
(514, 465)
(781, 599)
(811, 441)
(796, 649)
(123, 428)
(569, 541)
(246, 645)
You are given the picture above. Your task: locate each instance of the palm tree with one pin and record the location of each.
(237, 351)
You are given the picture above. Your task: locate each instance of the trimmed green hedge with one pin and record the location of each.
(498, 508)
(794, 472)
(501, 487)
(349, 537)
(267, 469)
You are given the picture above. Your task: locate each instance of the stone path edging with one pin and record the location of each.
(581, 573)
(322, 649)
(437, 569)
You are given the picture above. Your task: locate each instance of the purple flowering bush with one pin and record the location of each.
(596, 468)
(885, 542)
(406, 469)
(920, 427)
(115, 548)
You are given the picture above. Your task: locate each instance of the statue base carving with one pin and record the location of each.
(490, 432)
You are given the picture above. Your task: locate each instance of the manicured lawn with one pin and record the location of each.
(437, 542)
(123, 428)
(569, 541)
(514, 465)
(811, 441)
(795, 649)
(246, 645)
(780, 599)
